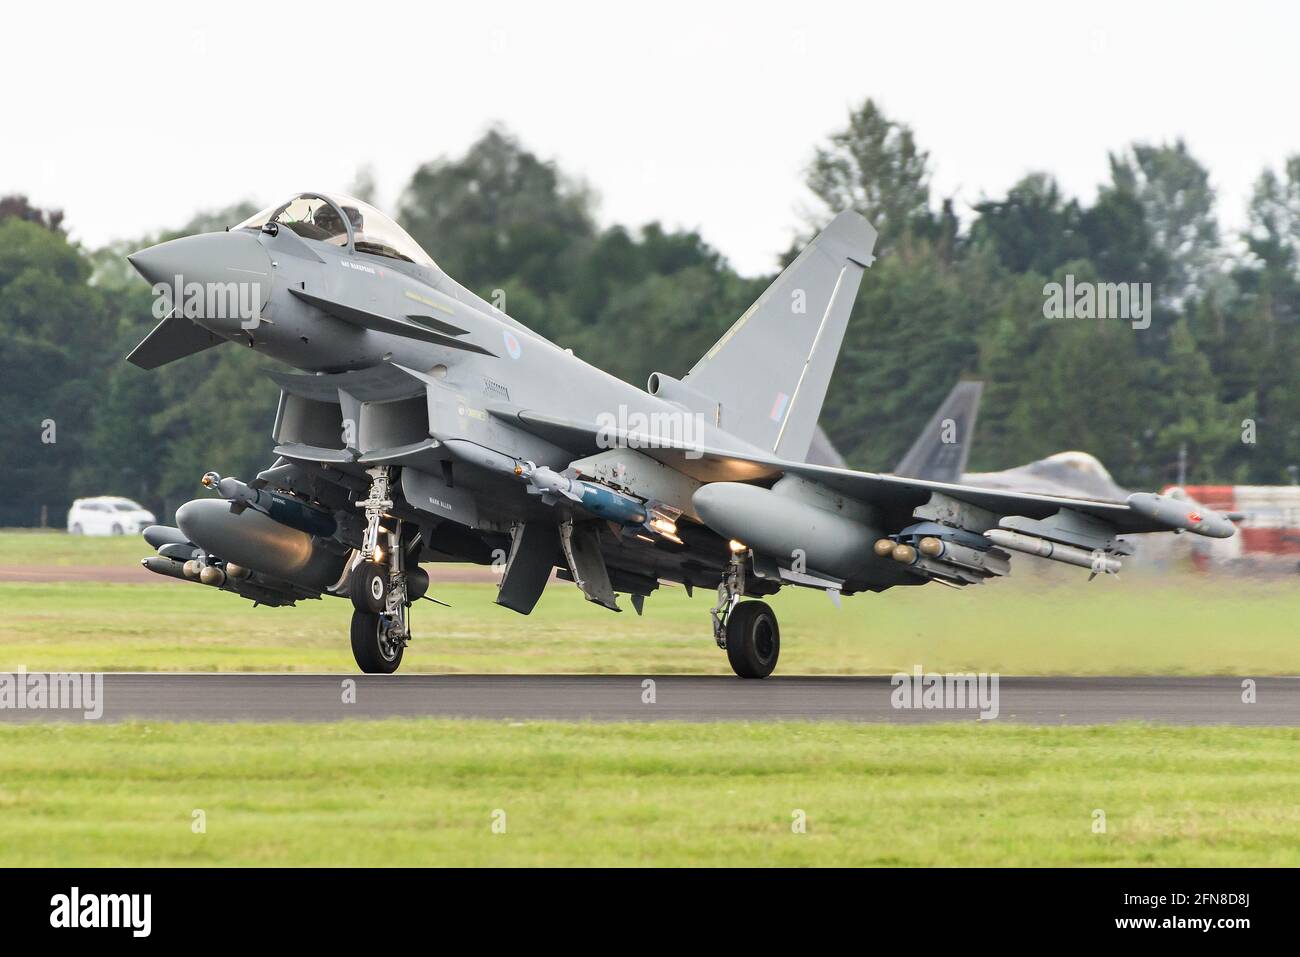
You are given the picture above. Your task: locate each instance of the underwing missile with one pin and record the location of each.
(232, 578)
(556, 487)
(212, 575)
(182, 553)
(600, 501)
(165, 566)
(932, 557)
(1099, 562)
(955, 553)
(282, 508)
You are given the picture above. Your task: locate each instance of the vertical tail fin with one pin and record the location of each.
(822, 451)
(770, 372)
(941, 449)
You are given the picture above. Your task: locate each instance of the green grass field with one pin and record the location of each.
(59, 549)
(1137, 626)
(425, 792)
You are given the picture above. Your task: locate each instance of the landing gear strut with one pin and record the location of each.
(730, 589)
(746, 630)
(377, 586)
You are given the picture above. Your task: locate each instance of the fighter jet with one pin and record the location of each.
(418, 424)
(1078, 474)
(940, 450)
(943, 447)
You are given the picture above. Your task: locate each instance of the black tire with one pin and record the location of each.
(373, 655)
(368, 587)
(117, 529)
(77, 529)
(753, 639)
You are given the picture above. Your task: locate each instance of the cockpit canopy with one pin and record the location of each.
(342, 220)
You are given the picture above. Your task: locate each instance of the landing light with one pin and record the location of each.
(664, 526)
(736, 546)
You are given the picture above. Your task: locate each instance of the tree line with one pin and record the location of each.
(953, 293)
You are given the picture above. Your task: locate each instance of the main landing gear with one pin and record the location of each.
(376, 644)
(377, 586)
(746, 630)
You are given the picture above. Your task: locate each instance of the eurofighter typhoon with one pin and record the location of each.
(422, 425)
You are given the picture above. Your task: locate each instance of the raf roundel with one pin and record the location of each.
(512, 343)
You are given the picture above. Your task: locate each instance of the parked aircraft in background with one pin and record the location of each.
(1268, 515)
(940, 449)
(943, 447)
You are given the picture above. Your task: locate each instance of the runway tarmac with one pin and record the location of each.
(319, 697)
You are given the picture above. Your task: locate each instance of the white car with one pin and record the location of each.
(108, 515)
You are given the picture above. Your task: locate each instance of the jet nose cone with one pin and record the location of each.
(174, 259)
(221, 278)
(139, 261)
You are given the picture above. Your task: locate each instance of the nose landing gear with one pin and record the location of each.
(368, 587)
(377, 644)
(377, 586)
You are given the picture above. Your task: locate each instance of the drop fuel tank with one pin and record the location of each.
(784, 523)
(255, 540)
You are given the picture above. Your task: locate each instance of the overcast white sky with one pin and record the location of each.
(131, 117)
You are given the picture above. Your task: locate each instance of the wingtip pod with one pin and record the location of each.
(1186, 515)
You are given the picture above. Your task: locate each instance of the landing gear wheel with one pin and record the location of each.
(375, 652)
(753, 639)
(368, 586)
